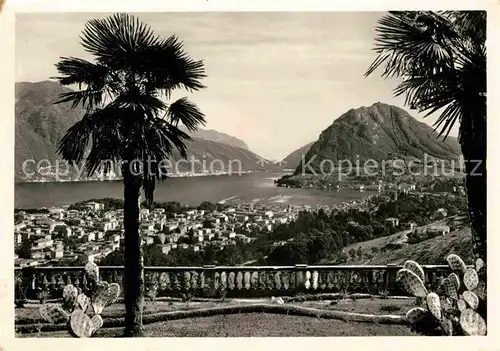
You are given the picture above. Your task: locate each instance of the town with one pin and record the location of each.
(90, 231)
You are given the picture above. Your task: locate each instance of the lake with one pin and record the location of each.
(246, 188)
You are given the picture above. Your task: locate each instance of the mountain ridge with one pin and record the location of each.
(40, 125)
(378, 132)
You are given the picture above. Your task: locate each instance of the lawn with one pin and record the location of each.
(247, 324)
(252, 325)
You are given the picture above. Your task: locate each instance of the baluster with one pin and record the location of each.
(60, 283)
(67, 278)
(269, 280)
(254, 280)
(285, 280)
(201, 280)
(330, 276)
(314, 280)
(247, 280)
(194, 281)
(307, 283)
(300, 277)
(217, 283)
(85, 284)
(186, 281)
(223, 280)
(239, 280)
(277, 280)
(262, 280)
(53, 288)
(164, 281)
(292, 280)
(323, 280)
(231, 280)
(114, 277)
(176, 281)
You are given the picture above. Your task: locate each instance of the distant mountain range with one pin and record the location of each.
(40, 125)
(379, 132)
(292, 160)
(213, 135)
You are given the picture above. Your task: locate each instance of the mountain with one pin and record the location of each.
(213, 135)
(295, 158)
(40, 125)
(379, 132)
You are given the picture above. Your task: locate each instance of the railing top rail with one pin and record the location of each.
(235, 268)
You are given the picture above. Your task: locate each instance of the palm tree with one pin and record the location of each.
(440, 58)
(128, 122)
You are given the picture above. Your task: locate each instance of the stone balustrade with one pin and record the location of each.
(234, 281)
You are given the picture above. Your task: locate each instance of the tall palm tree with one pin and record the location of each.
(440, 58)
(128, 122)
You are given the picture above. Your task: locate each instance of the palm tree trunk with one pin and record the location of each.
(473, 143)
(134, 270)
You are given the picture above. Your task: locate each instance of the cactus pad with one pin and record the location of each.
(449, 288)
(113, 292)
(471, 299)
(472, 323)
(53, 313)
(447, 326)
(70, 294)
(479, 264)
(456, 263)
(105, 295)
(81, 324)
(83, 301)
(416, 315)
(462, 305)
(455, 279)
(97, 322)
(412, 283)
(480, 290)
(434, 304)
(415, 268)
(471, 279)
(445, 302)
(92, 271)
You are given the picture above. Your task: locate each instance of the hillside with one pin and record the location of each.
(294, 159)
(40, 125)
(431, 251)
(379, 132)
(213, 135)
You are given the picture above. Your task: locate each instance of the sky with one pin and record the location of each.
(275, 79)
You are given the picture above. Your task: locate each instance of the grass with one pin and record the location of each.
(247, 324)
(432, 251)
(252, 325)
(30, 314)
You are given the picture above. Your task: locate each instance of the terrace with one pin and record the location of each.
(235, 281)
(330, 297)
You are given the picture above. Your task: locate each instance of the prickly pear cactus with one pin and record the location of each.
(75, 305)
(53, 313)
(412, 283)
(70, 293)
(81, 324)
(461, 310)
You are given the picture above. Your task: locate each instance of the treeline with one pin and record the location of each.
(170, 207)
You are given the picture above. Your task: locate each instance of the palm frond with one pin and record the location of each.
(440, 57)
(167, 67)
(117, 40)
(402, 43)
(187, 113)
(96, 124)
(95, 79)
